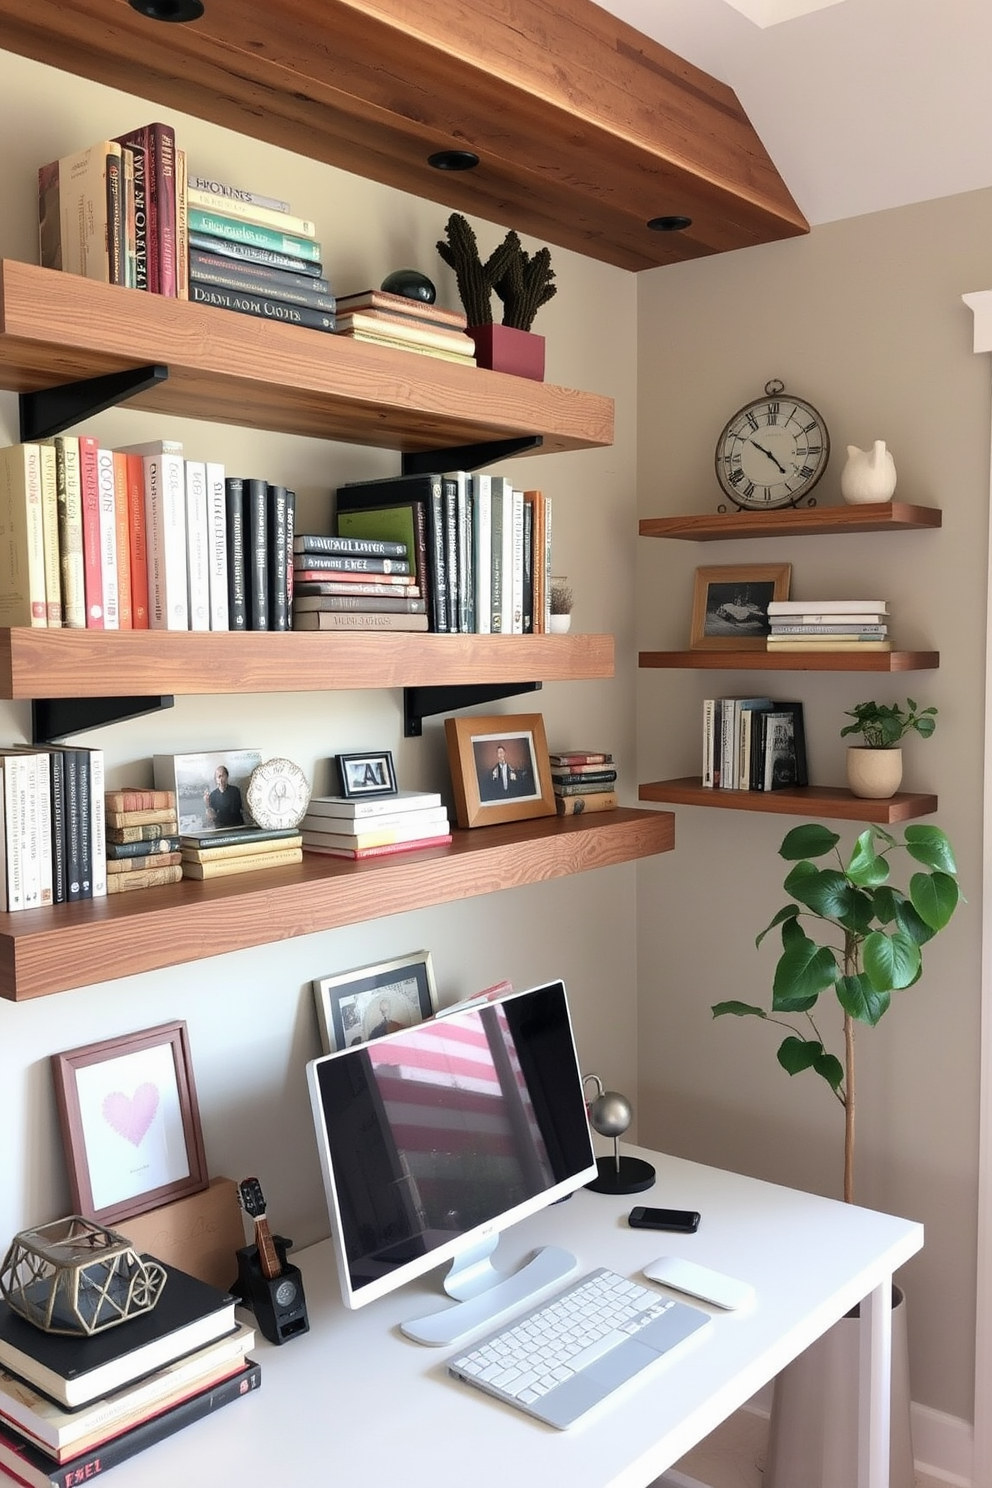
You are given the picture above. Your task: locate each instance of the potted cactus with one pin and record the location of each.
(522, 283)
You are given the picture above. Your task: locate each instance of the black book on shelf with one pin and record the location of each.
(236, 596)
(782, 749)
(279, 558)
(256, 519)
(426, 490)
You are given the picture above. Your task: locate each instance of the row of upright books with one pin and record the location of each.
(53, 832)
(73, 1407)
(828, 625)
(583, 780)
(753, 743)
(377, 827)
(478, 549)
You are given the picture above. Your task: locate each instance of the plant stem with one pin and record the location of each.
(850, 967)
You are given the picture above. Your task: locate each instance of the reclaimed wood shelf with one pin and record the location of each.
(226, 368)
(887, 516)
(49, 950)
(792, 661)
(810, 800)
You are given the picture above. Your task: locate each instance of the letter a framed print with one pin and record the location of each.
(500, 769)
(130, 1123)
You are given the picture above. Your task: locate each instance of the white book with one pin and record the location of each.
(23, 867)
(709, 710)
(426, 823)
(482, 532)
(373, 833)
(197, 545)
(464, 583)
(43, 789)
(828, 606)
(165, 524)
(503, 491)
(404, 800)
(517, 563)
(98, 825)
(547, 564)
(217, 545)
(107, 499)
(13, 819)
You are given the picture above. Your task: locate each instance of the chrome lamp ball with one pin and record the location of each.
(610, 1114)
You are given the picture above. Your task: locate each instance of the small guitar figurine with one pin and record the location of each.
(253, 1203)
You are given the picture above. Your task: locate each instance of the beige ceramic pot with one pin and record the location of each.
(874, 774)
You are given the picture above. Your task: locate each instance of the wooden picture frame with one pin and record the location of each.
(363, 775)
(730, 605)
(130, 1123)
(356, 1006)
(500, 769)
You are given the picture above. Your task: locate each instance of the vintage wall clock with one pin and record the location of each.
(772, 452)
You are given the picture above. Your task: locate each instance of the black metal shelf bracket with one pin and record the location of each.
(51, 410)
(423, 702)
(468, 456)
(53, 718)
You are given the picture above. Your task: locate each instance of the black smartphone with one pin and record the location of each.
(684, 1220)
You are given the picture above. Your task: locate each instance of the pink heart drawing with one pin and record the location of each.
(131, 1116)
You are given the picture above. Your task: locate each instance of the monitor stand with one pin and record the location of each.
(485, 1296)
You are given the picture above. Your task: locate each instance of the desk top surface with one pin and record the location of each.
(355, 1402)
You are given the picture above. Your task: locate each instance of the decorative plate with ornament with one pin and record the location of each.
(278, 793)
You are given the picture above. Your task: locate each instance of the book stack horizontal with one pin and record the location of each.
(72, 1407)
(227, 850)
(828, 625)
(355, 583)
(584, 780)
(375, 828)
(142, 839)
(753, 743)
(393, 320)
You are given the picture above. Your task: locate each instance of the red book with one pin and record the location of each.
(378, 852)
(159, 144)
(402, 582)
(124, 611)
(137, 541)
(89, 484)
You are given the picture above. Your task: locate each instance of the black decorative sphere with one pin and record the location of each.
(411, 283)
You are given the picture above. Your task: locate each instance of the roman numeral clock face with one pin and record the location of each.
(772, 452)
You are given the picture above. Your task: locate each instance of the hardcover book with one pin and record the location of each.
(165, 529)
(250, 254)
(578, 805)
(158, 141)
(385, 850)
(221, 866)
(256, 545)
(23, 596)
(275, 284)
(148, 878)
(345, 543)
(264, 307)
(424, 490)
(70, 510)
(403, 800)
(197, 545)
(237, 230)
(357, 620)
(237, 597)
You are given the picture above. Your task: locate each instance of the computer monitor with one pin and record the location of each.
(434, 1139)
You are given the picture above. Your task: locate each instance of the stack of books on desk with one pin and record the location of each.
(584, 780)
(142, 839)
(226, 850)
(377, 827)
(73, 1407)
(828, 625)
(404, 324)
(355, 583)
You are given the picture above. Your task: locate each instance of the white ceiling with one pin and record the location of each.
(862, 105)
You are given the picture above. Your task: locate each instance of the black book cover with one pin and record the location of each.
(38, 1470)
(426, 490)
(256, 503)
(278, 558)
(236, 594)
(140, 168)
(85, 824)
(248, 254)
(290, 538)
(56, 773)
(783, 748)
(247, 303)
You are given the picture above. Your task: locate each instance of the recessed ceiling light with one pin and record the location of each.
(453, 160)
(771, 12)
(671, 223)
(168, 10)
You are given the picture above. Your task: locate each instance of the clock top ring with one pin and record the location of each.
(772, 452)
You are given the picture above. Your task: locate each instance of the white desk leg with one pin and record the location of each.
(875, 1393)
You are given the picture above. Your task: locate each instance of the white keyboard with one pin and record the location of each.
(573, 1350)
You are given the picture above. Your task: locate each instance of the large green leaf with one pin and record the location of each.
(797, 1054)
(811, 840)
(788, 912)
(830, 1068)
(823, 890)
(865, 868)
(890, 961)
(859, 912)
(738, 1009)
(858, 998)
(804, 970)
(930, 846)
(935, 897)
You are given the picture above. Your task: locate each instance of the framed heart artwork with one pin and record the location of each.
(130, 1123)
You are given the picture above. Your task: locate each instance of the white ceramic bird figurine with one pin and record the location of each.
(869, 475)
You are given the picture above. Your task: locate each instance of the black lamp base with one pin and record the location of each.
(633, 1176)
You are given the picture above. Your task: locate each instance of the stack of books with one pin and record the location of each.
(584, 780)
(142, 839)
(227, 850)
(355, 583)
(73, 1407)
(52, 832)
(374, 828)
(753, 743)
(394, 320)
(828, 625)
(249, 253)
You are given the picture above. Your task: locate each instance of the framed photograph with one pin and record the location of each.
(499, 768)
(372, 1000)
(730, 605)
(130, 1123)
(211, 787)
(361, 775)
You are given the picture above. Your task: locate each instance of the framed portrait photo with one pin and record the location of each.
(366, 1003)
(130, 1123)
(362, 775)
(500, 769)
(730, 605)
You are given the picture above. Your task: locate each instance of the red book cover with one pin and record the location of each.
(383, 850)
(89, 482)
(159, 144)
(137, 541)
(124, 611)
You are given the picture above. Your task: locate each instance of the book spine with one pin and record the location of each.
(577, 805)
(509, 549)
(162, 847)
(24, 549)
(482, 538)
(528, 565)
(137, 541)
(217, 545)
(89, 485)
(404, 331)
(98, 826)
(280, 565)
(85, 804)
(583, 787)
(358, 620)
(349, 563)
(140, 832)
(35, 824)
(116, 218)
(236, 230)
(163, 165)
(709, 706)
(163, 816)
(400, 604)
(46, 849)
(50, 534)
(517, 569)
(245, 253)
(399, 307)
(260, 306)
(242, 863)
(256, 553)
(182, 227)
(165, 526)
(138, 217)
(122, 542)
(248, 211)
(336, 581)
(236, 591)
(135, 798)
(49, 217)
(547, 564)
(583, 775)
(107, 496)
(211, 269)
(148, 878)
(197, 545)
(290, 534)
(538, 576)
(73, 846)
(70, 531)
(370, 547)
(236, 193)
(56, 780)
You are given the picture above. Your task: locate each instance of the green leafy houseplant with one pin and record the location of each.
(872, 933)
(882, 725)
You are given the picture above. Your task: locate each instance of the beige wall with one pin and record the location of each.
(864, 319)
(250, 1015)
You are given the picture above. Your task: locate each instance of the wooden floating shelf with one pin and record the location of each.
(812, 800)
(888, 516)
(72, 945)
(792, 661)
(241, 369)
(99, 663)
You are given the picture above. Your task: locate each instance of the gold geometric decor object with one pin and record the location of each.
(74, 1276)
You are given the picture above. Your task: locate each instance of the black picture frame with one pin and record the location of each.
(363, 775)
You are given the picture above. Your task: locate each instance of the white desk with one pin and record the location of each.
(355, 1403)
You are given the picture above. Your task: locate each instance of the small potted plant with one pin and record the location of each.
(561, 605)
(522, 281)
(874, 768)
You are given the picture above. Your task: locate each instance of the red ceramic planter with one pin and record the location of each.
(505, 349)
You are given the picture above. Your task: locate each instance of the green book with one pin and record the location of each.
(237, 230)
